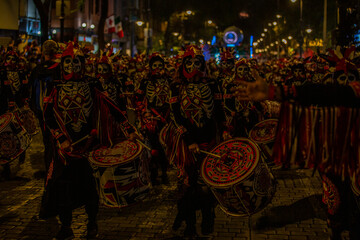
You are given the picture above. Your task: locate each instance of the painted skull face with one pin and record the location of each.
(103, 68)
(242, 71)
(157, 68)
(228, 65)
(344, 78)
(72, 65)
(10, 62)
(298, 72)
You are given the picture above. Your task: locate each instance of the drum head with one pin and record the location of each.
(5, 120)
(264, 132)
(121, 153)
(237, 159)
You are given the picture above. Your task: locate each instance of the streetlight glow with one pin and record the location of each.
(269, 24)
(175, 34)
(210, 22)
(272, 44)
(263, 34)
(261, 39)
(54, 31)
(293, 1)
(201, 41)
(255, 44)
(274, 23)
(278, 16)
(188, 12)
(290, 37)
(265, 30)
(139, 23)
(83, 25)
(276, 42)
(92, 26)
(284, 41)
(309, 30)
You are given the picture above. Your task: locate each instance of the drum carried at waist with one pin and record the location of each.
(264, 133)
(241, 182)
(28, 120)
(122, 173)
(14, 138)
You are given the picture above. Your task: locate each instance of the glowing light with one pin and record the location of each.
(83, 25)
(274, 23)
(189, 12)
(284, 41)
(309, 30)
(209, 22)
(290, 37)
(92, 26)
(54, 31)
(175, 34)
(278, 16)
(139, 23)
(272, 44)
(293, 1)
(269, 24)
(255, 44)
(263, 34)
(276, 42)
(265, 30)
(201, 41)
(39, 32)
(261, 39)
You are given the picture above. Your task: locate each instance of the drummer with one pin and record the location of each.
(69, 112)
(195, 103)
(14, 90)
(342, 202)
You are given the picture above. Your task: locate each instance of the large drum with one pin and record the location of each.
(14, 139)
(263, 133)
(241, 182)
(28, 120)
(121, 173)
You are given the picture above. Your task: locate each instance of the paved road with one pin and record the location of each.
(296, 212)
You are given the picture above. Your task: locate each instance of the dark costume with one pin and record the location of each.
(195, 103)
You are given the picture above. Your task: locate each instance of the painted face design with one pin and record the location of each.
(242, 71)
(72, 65)
(157, 68)
(10, 62)
(344, 78)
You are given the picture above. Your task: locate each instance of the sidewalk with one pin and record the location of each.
(296, 212)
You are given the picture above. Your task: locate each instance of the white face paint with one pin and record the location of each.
(242, 70)
(103, 68)
(71, 65)
(346, 78)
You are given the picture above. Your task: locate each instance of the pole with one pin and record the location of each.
(62, 18)
(301, 28)
(325, 26)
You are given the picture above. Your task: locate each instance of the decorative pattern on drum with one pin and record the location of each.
(14, 138)
(120, 153)
(264, 132)
(238, 158)
(240, 181)
(121, 173)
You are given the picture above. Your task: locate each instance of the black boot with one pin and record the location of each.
(65, 233)
(92, 230)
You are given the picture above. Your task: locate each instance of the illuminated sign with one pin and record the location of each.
(233, 36)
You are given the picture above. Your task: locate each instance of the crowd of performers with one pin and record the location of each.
(180, 108)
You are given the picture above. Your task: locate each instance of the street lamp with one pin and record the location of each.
(274, 23)
(265, 30)
(290, 37)
(188, 12)
(175, 34)
(309, 30)
(92, 26)
(269, 24)
(278, 16)
(83, 25)
(139, 23)
(263, 34)
(209, 22)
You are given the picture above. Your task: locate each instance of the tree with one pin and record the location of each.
(103, 16)
(43, 7)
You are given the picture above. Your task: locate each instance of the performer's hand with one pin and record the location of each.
(194, 148)
(66, 146)
(226, 135)
(253, 91)
(133, 136)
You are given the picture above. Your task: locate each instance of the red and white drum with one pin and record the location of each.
(14, 138)
(28, 120)
(241, 182)
(264, 133)
(122, 173)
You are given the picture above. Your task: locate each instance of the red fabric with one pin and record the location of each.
(327, 139)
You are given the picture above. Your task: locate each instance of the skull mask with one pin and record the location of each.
(72, 67)
(10, 62)
(242, 71)
(157, 68)
(228, 65)
(104, 71)
(194, 67)
(345, 78)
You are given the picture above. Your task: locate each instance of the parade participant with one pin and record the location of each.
(336, 155)
(297, 76)
(41, 82)
(227, 66)
(196, 105)
(14, 91)
(154, 95)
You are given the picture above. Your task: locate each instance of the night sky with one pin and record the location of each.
(226, 13)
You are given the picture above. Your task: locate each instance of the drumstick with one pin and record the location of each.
(209, 153)
(141, 143)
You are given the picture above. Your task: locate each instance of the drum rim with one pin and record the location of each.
(354, 186)
(92, 160)
(7, 121)
(252, 130)
(227, 185)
